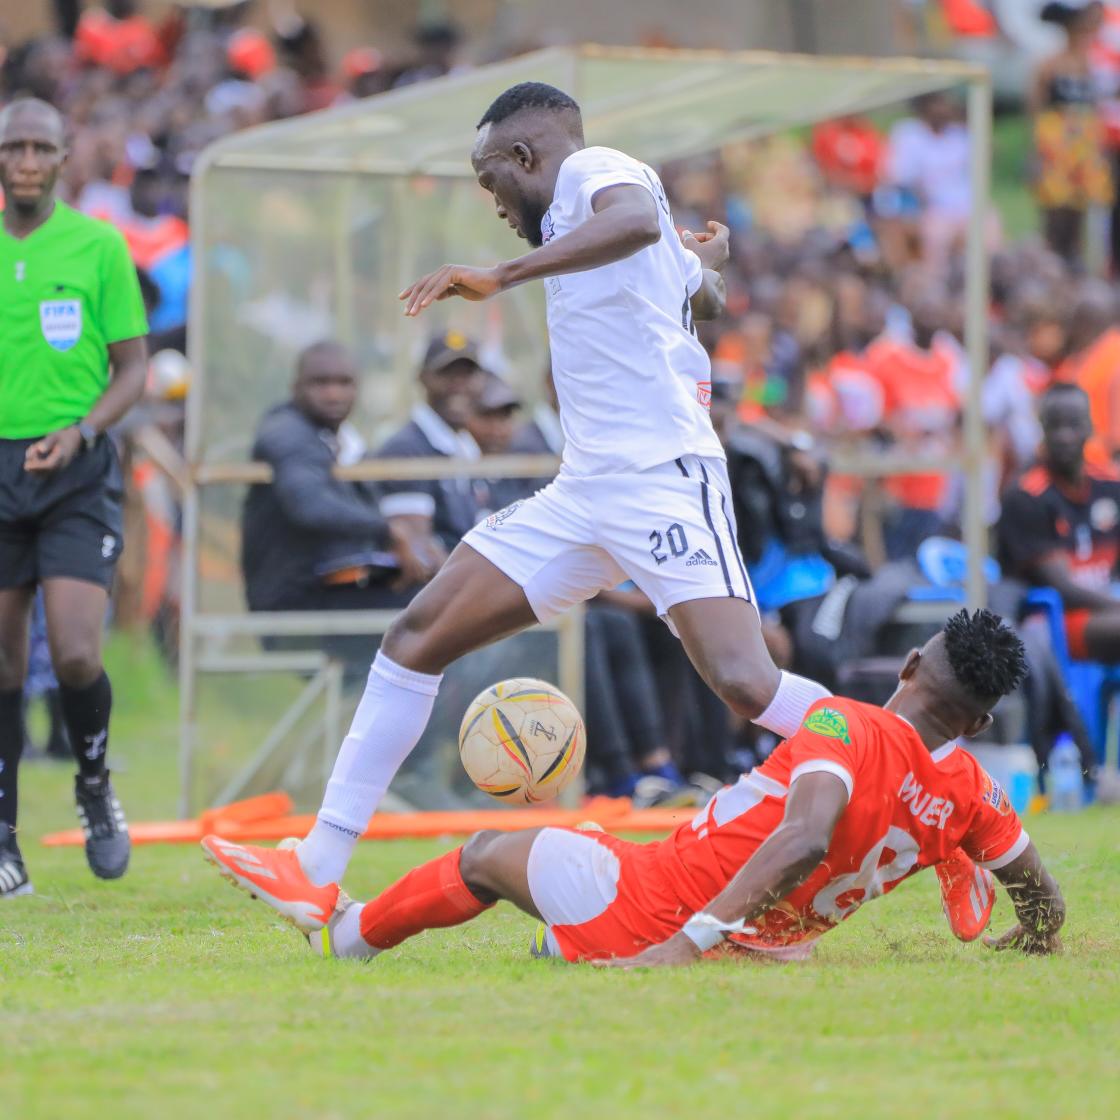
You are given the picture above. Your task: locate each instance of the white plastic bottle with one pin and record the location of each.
(1066, 788)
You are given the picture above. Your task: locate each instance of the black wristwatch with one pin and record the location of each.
(88, 433)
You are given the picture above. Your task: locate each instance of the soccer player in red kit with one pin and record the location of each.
(854, 802)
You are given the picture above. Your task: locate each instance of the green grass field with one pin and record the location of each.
(168, 994)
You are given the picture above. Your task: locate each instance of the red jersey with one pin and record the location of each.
(120, 45)
(921, 404)
(908, 808)
(1097, 370)
(850, 152)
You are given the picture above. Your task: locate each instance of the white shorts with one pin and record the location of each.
(670, 529)
(572, 877)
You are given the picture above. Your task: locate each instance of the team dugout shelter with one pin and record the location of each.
(309, 228)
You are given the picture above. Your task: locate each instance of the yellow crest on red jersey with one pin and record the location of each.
(829, 723)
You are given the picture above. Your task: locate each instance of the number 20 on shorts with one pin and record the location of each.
(673, 538)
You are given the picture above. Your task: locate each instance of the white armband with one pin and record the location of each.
(706, 931)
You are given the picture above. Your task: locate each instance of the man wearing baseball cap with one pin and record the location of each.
(494, 427)
(451, 378)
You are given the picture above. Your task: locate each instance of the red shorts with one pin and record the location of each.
(1076, 621)
(601, 897)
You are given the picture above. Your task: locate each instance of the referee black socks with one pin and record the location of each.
(86, 712)
(11, 747)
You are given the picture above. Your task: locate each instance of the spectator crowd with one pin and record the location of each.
(844, 332)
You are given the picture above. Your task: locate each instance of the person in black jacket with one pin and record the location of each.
(493, 425)
(310, 541)
(452, 378)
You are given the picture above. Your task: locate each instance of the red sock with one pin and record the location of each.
(430, 897)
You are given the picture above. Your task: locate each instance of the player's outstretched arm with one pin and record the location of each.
(624, 221)
(785, 859)
(1038, 903)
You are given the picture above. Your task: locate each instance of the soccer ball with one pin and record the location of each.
(522, 741)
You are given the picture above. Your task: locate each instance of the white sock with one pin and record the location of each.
(346, 935)
(391, 717)
(795, 696)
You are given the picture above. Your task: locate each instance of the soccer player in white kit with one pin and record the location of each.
(642, 492)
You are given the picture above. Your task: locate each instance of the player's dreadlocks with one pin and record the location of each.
(528, 95)
(986, 657)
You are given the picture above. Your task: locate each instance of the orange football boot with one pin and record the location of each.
(968, 893)
(275, 876)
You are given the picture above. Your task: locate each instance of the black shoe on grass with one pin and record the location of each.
(107, 840)
(13, 873)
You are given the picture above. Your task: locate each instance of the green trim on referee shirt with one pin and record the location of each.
(66, 291)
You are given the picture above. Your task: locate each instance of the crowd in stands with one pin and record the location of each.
(844, 330)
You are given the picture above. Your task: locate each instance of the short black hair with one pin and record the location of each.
(1062, 389)
(528, 95)
(319, 346)
(1061, 14)
(985, 655)
(22, 103)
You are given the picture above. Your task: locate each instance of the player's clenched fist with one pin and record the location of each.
(451, 280)
(713, 246)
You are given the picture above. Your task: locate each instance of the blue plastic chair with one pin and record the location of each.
(1091, 684)
(944, 563)
(779, 579)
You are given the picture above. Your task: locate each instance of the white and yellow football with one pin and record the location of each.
(522, 741)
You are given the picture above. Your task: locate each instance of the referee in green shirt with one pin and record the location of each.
(73, 360)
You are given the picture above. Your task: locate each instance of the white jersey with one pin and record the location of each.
(633, 381)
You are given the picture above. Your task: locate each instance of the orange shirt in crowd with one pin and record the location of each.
(120, 45)
(850, 152)
(860, 399)
(921, 405)
(1097, 370)
(150, 239)
(969, 18)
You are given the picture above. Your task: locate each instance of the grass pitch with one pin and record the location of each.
(168, 994)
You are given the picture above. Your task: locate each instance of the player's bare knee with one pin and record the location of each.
(408, 642)
(13, 672)
(77, 668)
(13, 658)
(397, 639)
(474, 863)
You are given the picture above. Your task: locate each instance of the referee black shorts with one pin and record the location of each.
(62, 525)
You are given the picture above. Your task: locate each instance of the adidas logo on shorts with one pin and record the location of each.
(699, 557)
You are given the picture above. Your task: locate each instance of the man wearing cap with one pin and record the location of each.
(451, 378)
(493, 424)
(73, 360)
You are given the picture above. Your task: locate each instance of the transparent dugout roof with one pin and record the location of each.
(654, 104)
